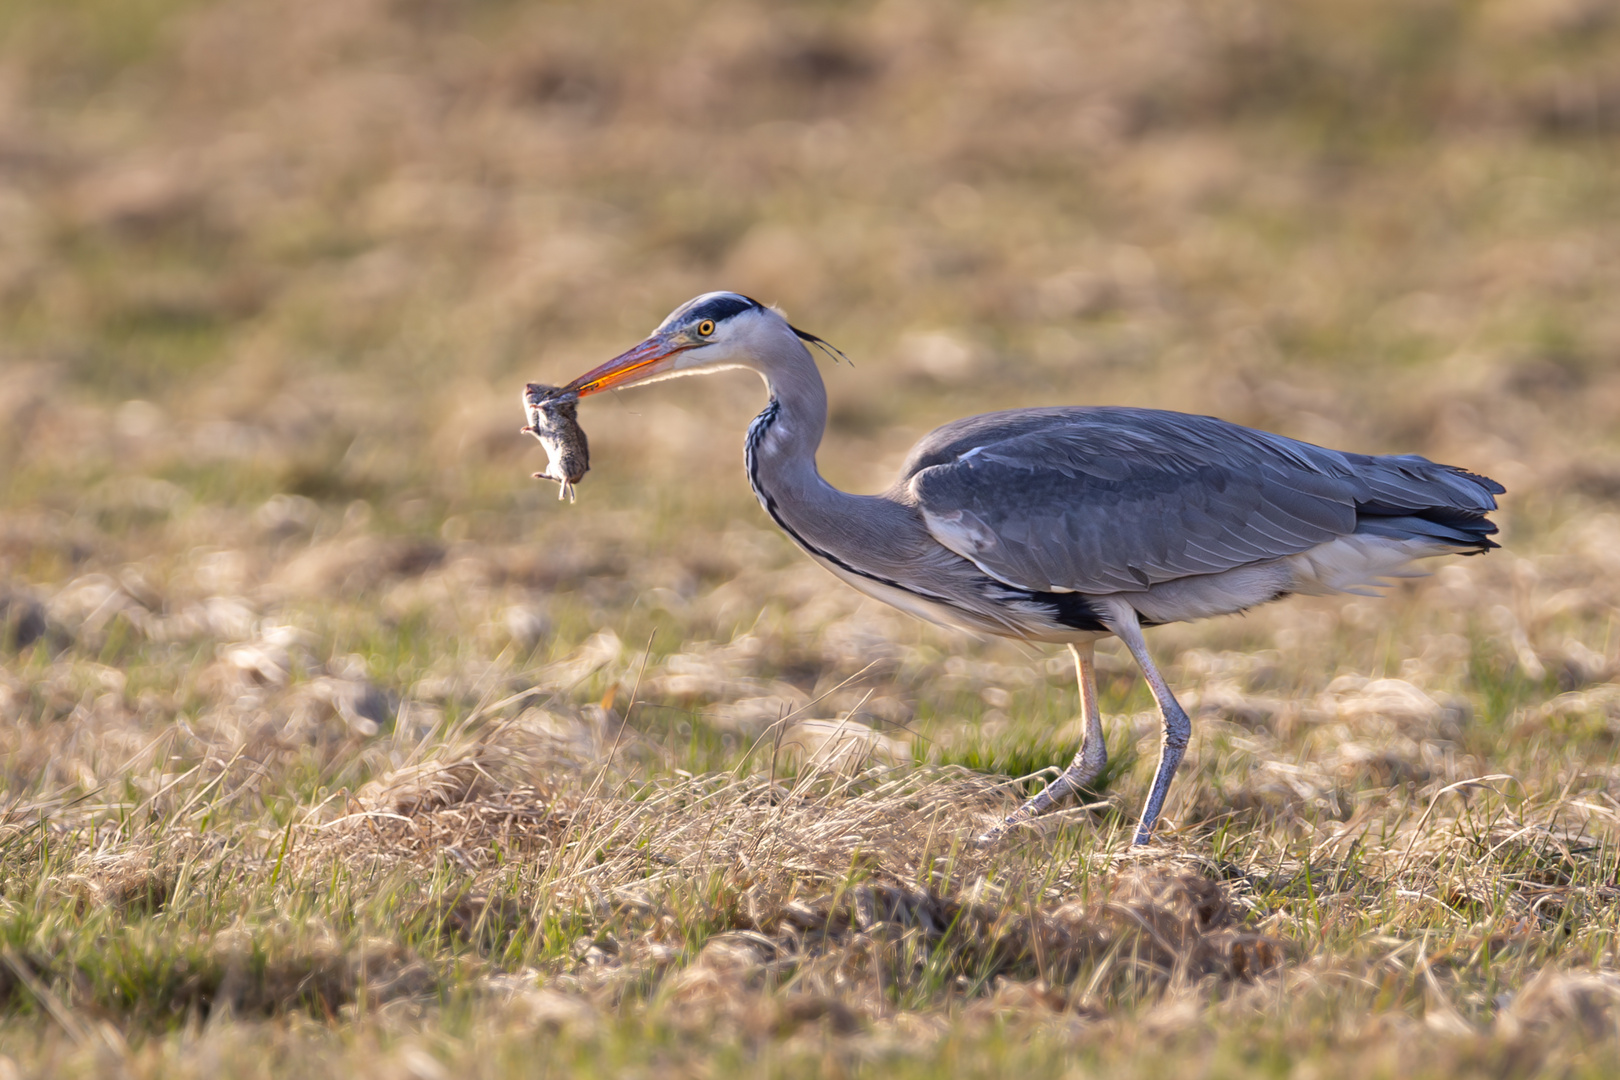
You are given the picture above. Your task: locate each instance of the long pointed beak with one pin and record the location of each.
(651, 357)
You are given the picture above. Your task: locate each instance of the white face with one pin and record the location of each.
(710, 333)
(731, 342)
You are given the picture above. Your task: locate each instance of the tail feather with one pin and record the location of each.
(1414, 498)
(1473, 533)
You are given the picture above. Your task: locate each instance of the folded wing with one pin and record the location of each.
(1105, 500)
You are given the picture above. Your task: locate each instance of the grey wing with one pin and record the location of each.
(1106, 500)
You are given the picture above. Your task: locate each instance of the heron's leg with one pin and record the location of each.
(1177, 728)
(1088, 761)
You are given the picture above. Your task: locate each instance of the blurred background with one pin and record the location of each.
(274, 272)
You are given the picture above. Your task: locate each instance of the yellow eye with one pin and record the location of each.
(706, 327)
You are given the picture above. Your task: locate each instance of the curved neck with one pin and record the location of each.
(858, 536)
(781, 457)
(783, 439)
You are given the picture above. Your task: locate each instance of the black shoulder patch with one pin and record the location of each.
(720, 308)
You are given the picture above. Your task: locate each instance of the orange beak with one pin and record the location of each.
(642, 362)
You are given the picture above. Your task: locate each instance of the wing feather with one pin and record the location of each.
(1102, 500)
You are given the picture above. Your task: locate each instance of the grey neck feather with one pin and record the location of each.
(869, 535)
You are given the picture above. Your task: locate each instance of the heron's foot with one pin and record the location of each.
(1062, 786)
(994, 836)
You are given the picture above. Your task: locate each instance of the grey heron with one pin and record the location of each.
(1069, 524)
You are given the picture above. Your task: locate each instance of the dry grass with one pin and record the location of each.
(332, 744)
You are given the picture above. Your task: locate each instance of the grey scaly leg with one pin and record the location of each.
(1088, 761)
(1177, 728)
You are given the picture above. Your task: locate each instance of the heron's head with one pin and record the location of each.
(714, 331)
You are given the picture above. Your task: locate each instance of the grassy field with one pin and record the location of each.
(335, 745)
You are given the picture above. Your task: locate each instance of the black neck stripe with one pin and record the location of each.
(1068, 609)
(756, 435)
